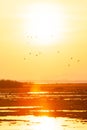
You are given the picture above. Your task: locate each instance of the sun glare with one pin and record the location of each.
(44, 23)
(45, 122)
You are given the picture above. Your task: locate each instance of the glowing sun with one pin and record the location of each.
(44, 23)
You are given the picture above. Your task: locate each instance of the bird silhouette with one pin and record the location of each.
(71, 58)
(68, 65)
(36, 54)
(78, 60)
(24, 58)
(58, 51)
(29, 53)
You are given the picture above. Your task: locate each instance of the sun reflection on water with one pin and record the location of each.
(31, 122)
(45, 122)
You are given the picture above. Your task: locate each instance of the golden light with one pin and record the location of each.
(45, 122)
(44, 23)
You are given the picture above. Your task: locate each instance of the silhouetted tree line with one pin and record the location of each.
(9, 83)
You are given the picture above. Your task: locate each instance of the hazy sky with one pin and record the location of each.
(43, 40)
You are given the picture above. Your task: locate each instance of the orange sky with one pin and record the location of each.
(43, 40)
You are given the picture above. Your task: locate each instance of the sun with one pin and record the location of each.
(44, 23)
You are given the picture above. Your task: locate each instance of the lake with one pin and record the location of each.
(53, 108)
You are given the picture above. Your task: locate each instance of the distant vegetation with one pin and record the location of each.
(29, 86)
(9, 83)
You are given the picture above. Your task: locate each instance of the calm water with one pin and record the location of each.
(58, 110)
(41, 123)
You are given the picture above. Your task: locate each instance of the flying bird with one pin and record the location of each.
(36, 54)
(71, 58)
(24, 58)
(58, 51)
(68, 65)
(29, 53)
(78, 60)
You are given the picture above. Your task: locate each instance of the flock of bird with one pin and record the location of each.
(58, 52)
